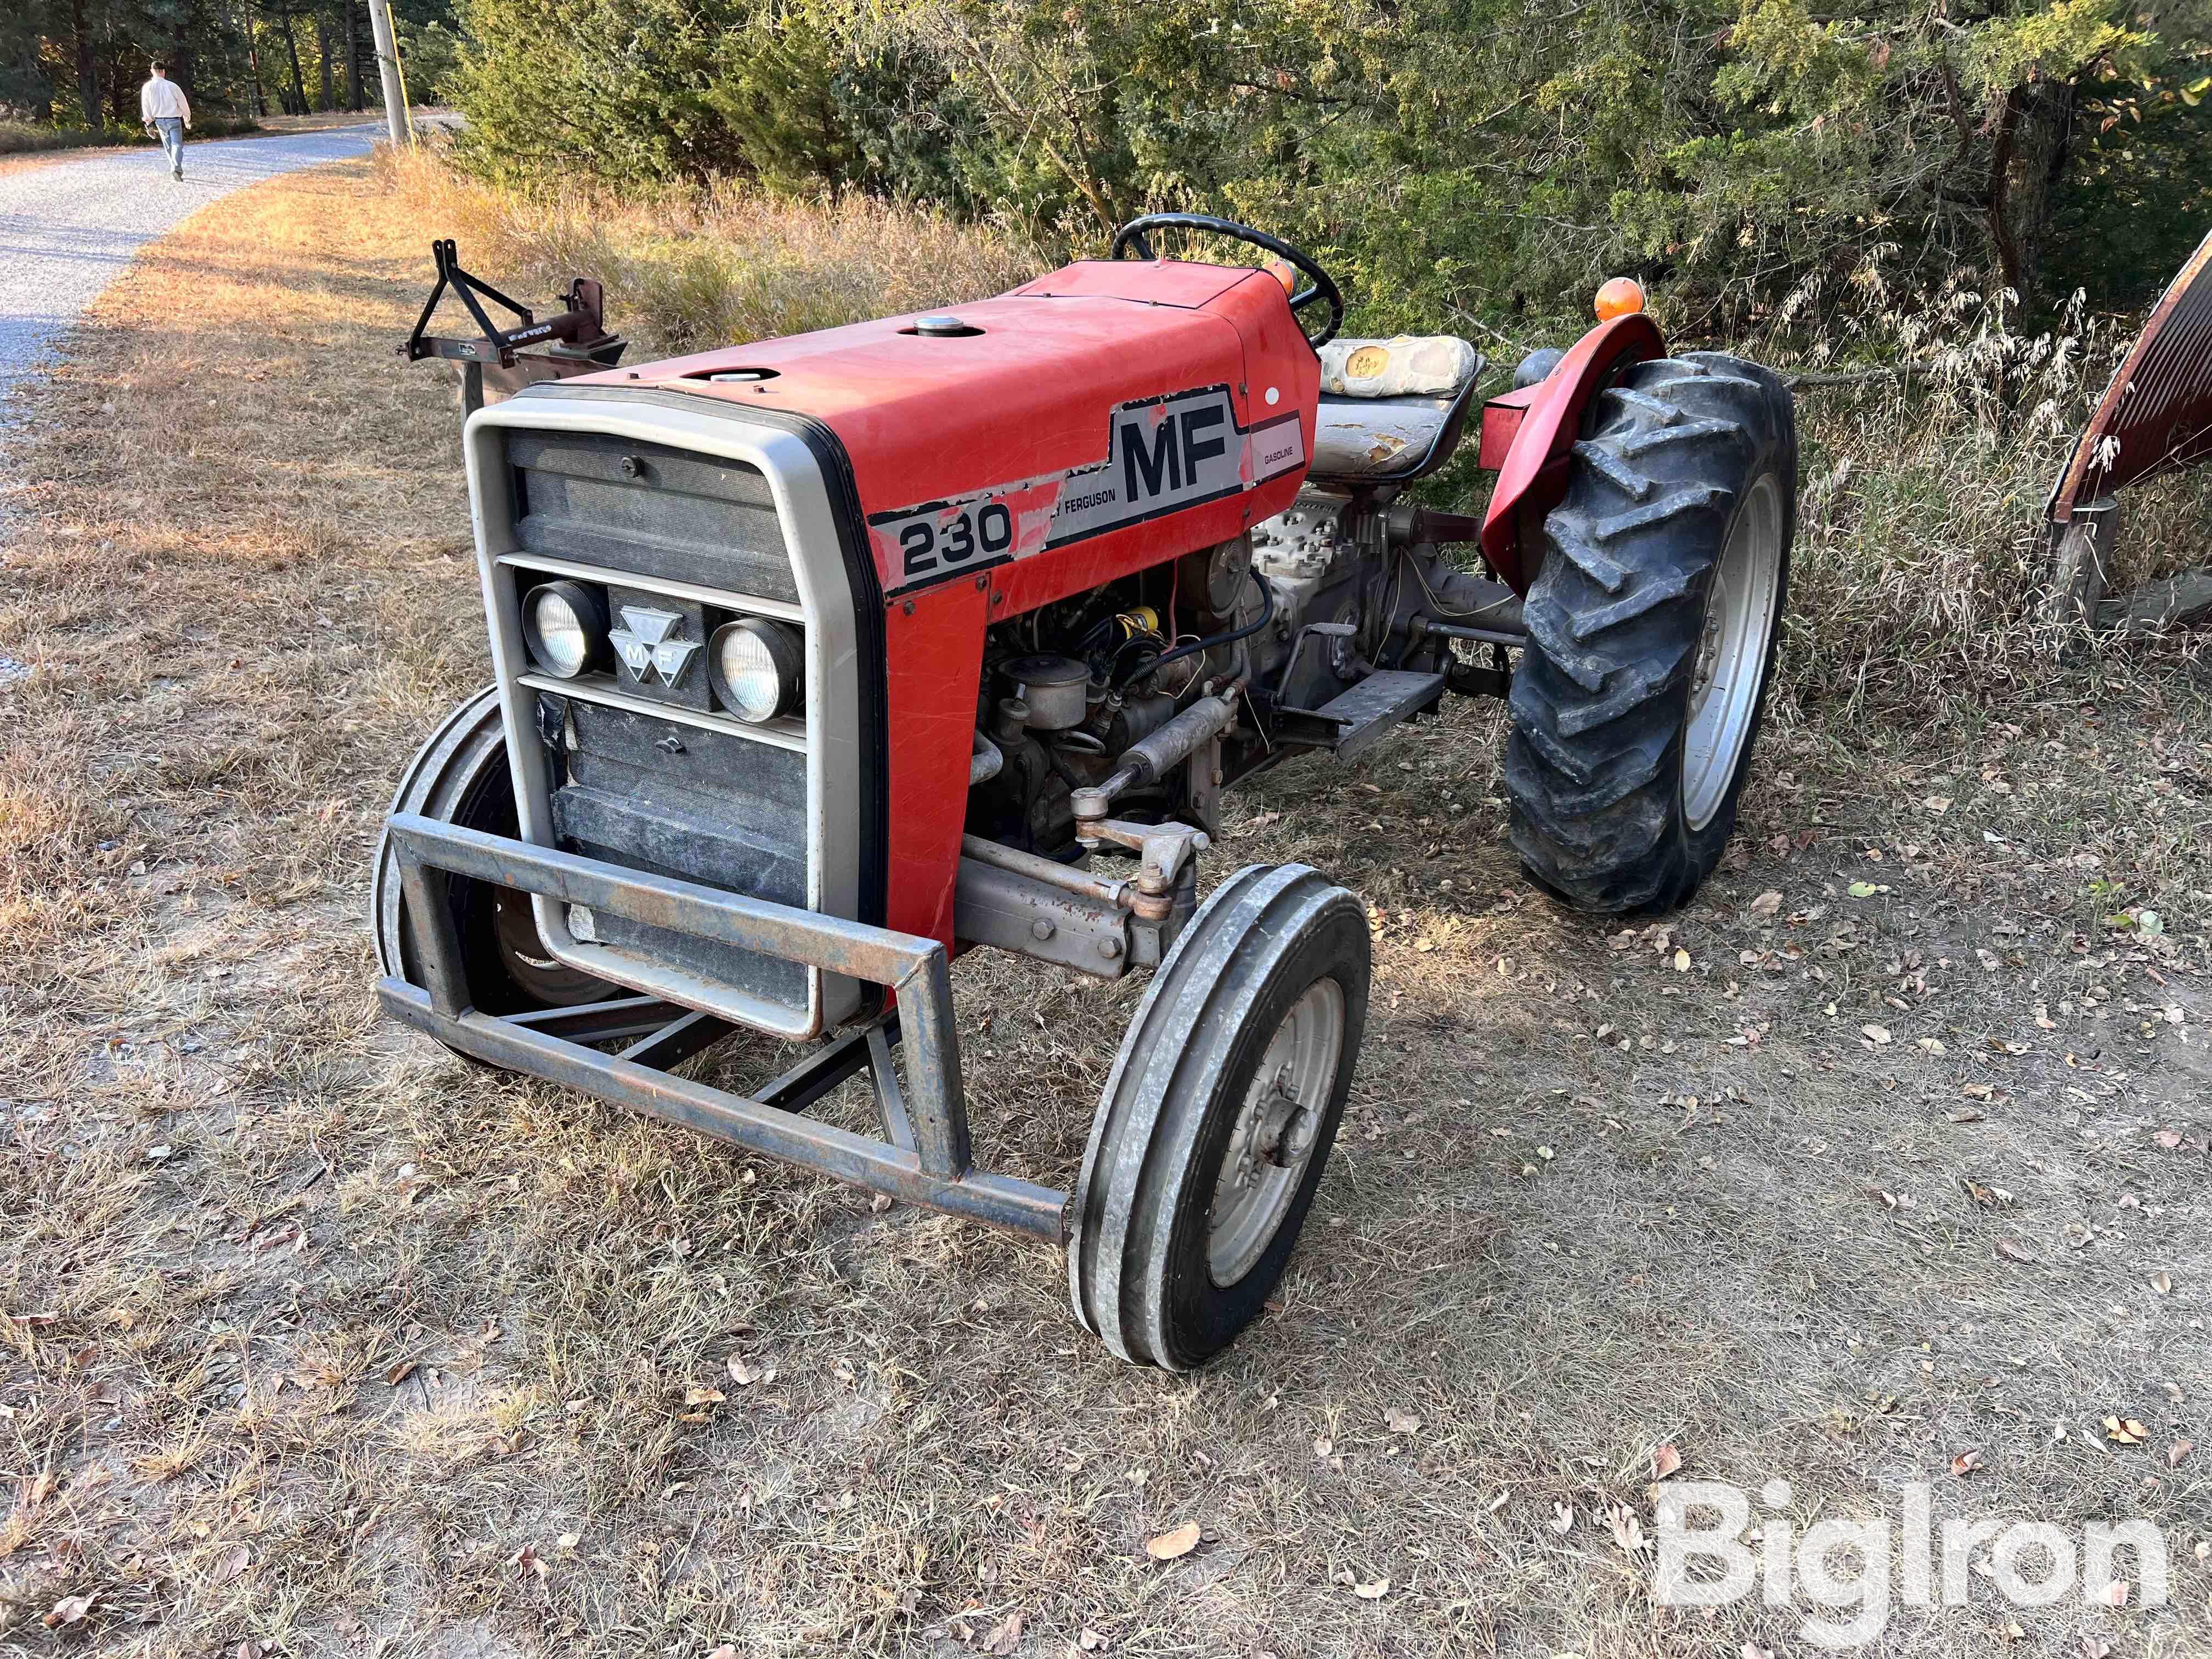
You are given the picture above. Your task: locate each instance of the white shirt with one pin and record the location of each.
(162, 96)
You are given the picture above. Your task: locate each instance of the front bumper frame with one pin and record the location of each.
(925, 1158)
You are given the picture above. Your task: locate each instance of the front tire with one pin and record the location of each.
(461, 776)
(1219, 1116)
(1652, 627)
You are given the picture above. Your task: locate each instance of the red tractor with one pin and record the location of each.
(820, 661)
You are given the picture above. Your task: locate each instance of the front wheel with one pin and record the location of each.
(1652, 626)
(1218, 1115)
(461, 776)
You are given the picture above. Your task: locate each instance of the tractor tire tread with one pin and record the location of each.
(1593, 769)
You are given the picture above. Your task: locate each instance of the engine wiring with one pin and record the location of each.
(1267, 615)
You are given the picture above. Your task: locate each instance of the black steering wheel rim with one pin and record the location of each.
(1320, 284)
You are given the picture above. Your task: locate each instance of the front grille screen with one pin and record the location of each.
(712, 808)
(649, 509)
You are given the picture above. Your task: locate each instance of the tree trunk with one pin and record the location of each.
(323, 57)
(88, 63)
(253, 66)
(299, 84)
(352, 54)
(2034, 136)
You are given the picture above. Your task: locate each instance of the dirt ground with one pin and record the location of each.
(1886, 1162)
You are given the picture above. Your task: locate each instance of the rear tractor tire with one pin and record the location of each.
(1219, 1116)
(1652, 626)
(461, 776)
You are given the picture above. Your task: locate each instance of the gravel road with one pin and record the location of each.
(69, 229)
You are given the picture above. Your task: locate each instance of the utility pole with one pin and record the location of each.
(387, 61)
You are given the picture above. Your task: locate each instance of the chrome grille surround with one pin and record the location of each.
(826, 732)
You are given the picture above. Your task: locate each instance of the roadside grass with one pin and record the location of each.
(318, 1340)
(702, 266)
(25, 144)
(28, 137)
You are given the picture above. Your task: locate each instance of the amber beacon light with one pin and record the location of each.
(1617, 298)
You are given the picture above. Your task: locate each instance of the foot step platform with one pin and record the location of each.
(1352, 724)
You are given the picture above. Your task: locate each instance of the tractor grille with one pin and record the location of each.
(649, 509)
(641, 766)
(674, 801)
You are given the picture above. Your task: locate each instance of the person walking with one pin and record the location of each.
(162, 105)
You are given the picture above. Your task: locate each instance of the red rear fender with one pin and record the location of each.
(1527, 436)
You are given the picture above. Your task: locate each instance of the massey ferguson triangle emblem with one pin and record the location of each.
(645, 648)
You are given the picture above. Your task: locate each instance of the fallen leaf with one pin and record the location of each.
(1627, 1530)
(232, 1564)
(1324, 1446)
(1875, 1033)
(2014, 1252)
(528, 1561)
(568, 1540)
(1681, 960)
(1767, 903)
(1006, 1638)
(1862, 889)
(2124, 1430)
(700, 1394)
(70, 1610)
(740, 1373)
(1665, 1462)
(1938, 804)
(1563, 1518)
(2177, 1451)
(1172, 1545)
(1090, 1641)
(2168, 1139)
(1374, 1592)
(1400, 1422)
(1966, 1463)
(2162, 1283)
(401, 1372)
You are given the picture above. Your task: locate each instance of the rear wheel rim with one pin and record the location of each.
(1731, 665)
(1277, 1129)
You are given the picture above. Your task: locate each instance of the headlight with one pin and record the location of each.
(754, 667)
(565, 625)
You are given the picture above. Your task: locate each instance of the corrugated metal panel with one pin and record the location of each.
(2157, 415)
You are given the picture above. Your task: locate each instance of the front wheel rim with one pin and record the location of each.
(1277, 1130)
(1732, 651)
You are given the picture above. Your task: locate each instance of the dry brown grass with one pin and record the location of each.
(311, 1331)
(695, 267)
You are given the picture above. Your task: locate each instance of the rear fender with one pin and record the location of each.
(1531, 432)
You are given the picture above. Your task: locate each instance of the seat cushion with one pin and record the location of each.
(1375, 440)
(1410, 365)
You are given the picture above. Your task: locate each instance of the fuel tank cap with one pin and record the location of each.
(941, 328)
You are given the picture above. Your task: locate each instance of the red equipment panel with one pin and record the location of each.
(2157, 415)
(1099, 421)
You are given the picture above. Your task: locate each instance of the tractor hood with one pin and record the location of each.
(1090, 400)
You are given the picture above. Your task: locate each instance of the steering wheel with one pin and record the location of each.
(1319, 286)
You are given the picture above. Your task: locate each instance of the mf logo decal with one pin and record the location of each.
(646, 644)
(1161, 455)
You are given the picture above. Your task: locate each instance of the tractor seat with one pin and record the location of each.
(1391, 411)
